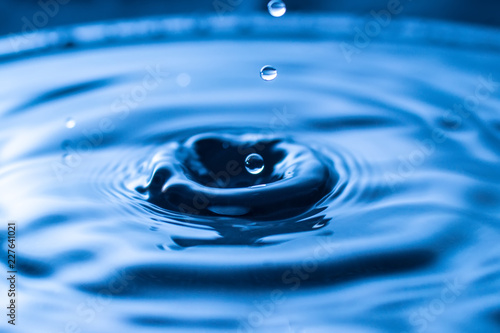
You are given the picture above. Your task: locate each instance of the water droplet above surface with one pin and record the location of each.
(277, 8)
(254, 163)
(268, 73)
(70, 123)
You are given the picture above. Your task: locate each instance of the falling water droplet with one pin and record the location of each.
(268, 73)
(276, 8)
(70, 123)
(254, 163)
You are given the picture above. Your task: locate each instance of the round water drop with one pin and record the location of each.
(70, 159)
(254, 163)
(70, 123)
(183, 80)
(276, 8)
(268, 73)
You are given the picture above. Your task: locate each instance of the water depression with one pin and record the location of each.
(127, 161)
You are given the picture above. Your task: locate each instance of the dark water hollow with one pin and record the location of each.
(216, 180)
(158, 183)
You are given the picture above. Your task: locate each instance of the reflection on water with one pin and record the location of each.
(123, 159)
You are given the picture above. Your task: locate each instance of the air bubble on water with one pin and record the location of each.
(277, 8)
(183, 80)
(70, 123)
(254, 163)
(268, 73)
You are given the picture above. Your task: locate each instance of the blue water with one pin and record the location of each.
(122, 159)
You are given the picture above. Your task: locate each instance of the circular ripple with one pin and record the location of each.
(205, 175)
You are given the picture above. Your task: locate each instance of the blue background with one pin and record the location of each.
(485, 12)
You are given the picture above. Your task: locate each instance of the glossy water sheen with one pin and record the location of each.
(377, 210)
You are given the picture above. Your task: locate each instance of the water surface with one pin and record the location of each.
(377, 209)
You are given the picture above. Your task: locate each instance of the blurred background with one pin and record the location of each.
(17, 15)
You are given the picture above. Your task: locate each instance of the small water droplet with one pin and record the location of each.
(69, 159)
(254, 163)
(277, 8)
(70, 123)
(183, 80)
(268, 73)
